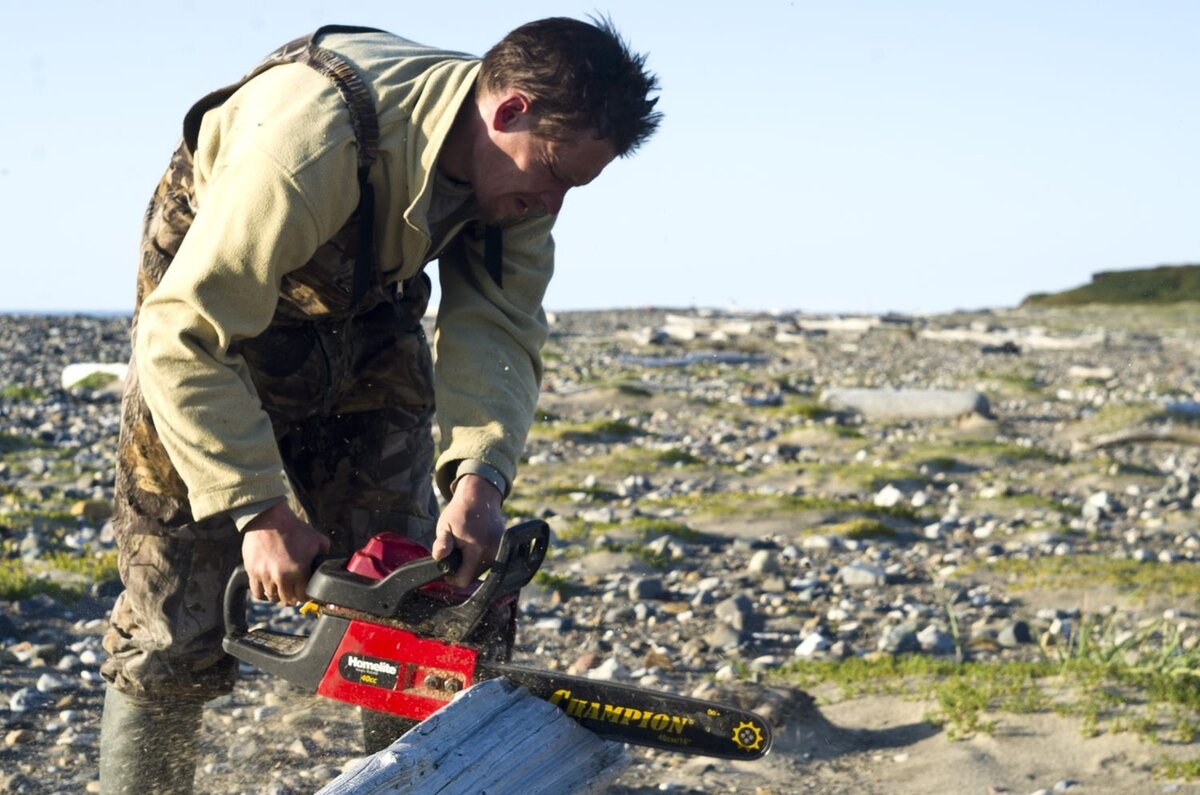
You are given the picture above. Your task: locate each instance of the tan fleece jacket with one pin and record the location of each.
(274, 179)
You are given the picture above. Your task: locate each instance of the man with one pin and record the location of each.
(277, 340)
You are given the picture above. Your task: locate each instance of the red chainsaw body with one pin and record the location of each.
(388, 669)
(385, 668)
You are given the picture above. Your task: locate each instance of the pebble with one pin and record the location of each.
(862, 575)
(645, 588)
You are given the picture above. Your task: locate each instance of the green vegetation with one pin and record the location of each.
(1166, 284)
(94, 381)
(1138, 580)
(643, 528)
(804, 407)
(1144, 682)
(63, 576)
(21, 393)
(675, 456)
(11, 443)
(1188, 770)
(560, 583)
(603, 431)
(858, 529)
(983, 452)
(866, 475)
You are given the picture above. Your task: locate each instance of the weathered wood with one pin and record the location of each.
(908, 403)
(1146, 435)
(494, 738)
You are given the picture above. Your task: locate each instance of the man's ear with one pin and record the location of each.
(511, 111)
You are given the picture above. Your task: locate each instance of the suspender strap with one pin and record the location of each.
(363, 119)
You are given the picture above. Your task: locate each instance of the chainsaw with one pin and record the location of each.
(390, 634)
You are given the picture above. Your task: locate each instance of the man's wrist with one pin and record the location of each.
(243, 515)
(482, 470)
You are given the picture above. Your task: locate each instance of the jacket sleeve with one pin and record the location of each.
(488, 342)
(253, 225)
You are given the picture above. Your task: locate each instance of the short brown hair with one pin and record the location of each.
(578, 76)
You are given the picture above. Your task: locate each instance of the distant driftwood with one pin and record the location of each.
(495, 738)
(74, 373)
(908, 403)
(1146, 435)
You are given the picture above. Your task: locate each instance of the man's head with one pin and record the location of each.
(580, 77)
(557, 100)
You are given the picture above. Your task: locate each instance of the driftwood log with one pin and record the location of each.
(1146, 435)
(494, 738)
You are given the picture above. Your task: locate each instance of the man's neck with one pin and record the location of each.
(455, 159)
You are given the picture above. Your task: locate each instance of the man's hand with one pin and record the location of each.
(278, 550)
(472, 522)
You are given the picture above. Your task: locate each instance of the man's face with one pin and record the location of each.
(520, 173)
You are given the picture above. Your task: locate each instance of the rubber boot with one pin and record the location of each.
(381, 729)
(148, 746)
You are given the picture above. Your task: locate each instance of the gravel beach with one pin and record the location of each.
(861, 527)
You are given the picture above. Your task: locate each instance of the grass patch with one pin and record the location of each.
(860, 529)
(676, 456)
(60, 575)
(866, 475)
(804, 407)
(18, 393)
(94, 381)
(597, 431)
(1113, 681)
(1187, 769)
(51, 524)
(559, 583)
(633, 390)
(11, 443)
(986, 452)
(1138, 580)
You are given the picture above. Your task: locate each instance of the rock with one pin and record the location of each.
(95, 512)
(764, 561)
(736, 611)
(645, 588)
(608, 670)
(935, 641)
(889, 497)
(56, 683)
(862, 575)
(899, 640)
(1014, 634)
(19, 737)
(814, 642)
(1097, 506)
(723, 637)
(26, 699)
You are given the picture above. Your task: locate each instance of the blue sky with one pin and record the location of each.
(819, 156)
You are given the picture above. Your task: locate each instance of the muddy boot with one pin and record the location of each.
(381, 729)
(147, 746)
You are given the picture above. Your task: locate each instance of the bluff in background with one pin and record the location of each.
(1165, 284)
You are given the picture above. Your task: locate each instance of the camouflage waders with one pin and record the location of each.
(345, 374)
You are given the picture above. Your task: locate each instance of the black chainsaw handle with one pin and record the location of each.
(331, 583)
(522, 549)
(235, 603)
